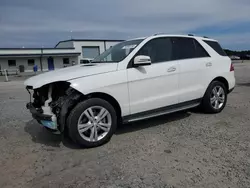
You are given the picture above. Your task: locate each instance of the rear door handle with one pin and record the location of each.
(209, 64)
(172, 69)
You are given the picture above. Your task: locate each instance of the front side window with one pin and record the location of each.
(159, 50)
(118, 52)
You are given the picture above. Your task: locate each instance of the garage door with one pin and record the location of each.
(90, 52)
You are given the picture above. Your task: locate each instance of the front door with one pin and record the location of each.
(156, 85)
(51, 63)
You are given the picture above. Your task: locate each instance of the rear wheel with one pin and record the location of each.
(215, 98)
(92, 122)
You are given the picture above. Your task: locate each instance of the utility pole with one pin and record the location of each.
(41, 59)
(71, 35)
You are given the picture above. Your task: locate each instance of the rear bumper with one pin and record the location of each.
(36, 114)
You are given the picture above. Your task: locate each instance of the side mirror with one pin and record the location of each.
(142, 60)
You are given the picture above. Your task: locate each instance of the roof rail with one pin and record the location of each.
(190, 35)
(205, 37)
(158, 34)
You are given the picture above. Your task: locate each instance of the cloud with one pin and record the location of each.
(34, 23)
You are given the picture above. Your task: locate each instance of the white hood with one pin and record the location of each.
(70, 73)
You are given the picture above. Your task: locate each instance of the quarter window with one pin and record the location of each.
(159, 50)
(215, 45)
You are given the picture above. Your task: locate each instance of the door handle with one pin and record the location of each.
(209, 64)
(172, 69)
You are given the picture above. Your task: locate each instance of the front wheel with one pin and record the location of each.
(215, 98)
(92, 122)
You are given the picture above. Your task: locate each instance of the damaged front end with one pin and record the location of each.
(52, 103)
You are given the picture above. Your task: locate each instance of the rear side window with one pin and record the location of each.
(200, 51)
(183, 48)
(216, 46)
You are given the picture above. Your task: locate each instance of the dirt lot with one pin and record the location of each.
(186, 149)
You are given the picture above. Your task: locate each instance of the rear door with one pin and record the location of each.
(192, 59)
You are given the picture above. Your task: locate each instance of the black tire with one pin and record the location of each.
(206, 105)
(72, 122)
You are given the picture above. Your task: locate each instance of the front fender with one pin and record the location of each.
(114, 84)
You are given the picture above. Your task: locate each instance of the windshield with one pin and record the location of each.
(118, 52)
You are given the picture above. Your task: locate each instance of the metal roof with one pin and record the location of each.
(37, 48)
(88, 40)
(39, 54)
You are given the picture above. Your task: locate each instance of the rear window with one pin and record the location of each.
(216, 47)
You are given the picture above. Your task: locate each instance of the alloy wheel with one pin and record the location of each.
(217, 98)
(94, 123)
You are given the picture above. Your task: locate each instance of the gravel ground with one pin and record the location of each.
(186, 149)
(20, 77)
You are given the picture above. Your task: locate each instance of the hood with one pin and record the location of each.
(70, 73)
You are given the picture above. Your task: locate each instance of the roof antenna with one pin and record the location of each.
(71, 35)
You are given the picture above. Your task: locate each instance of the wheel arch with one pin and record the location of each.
(222, 80)
(206, 105)
(107, 98)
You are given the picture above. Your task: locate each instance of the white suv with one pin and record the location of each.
(134, 80)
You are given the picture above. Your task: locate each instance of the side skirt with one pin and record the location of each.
(161, 111)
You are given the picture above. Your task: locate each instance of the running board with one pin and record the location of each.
(161, 111)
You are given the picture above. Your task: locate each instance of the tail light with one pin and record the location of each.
(231, 67)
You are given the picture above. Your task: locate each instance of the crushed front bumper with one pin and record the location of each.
(36, 114)
(44, 119)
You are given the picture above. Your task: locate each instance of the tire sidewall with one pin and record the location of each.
(206, 100)
(72, 121)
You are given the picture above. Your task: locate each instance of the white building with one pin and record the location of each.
(65, 53)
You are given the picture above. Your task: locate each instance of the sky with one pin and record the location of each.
(37, 23)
